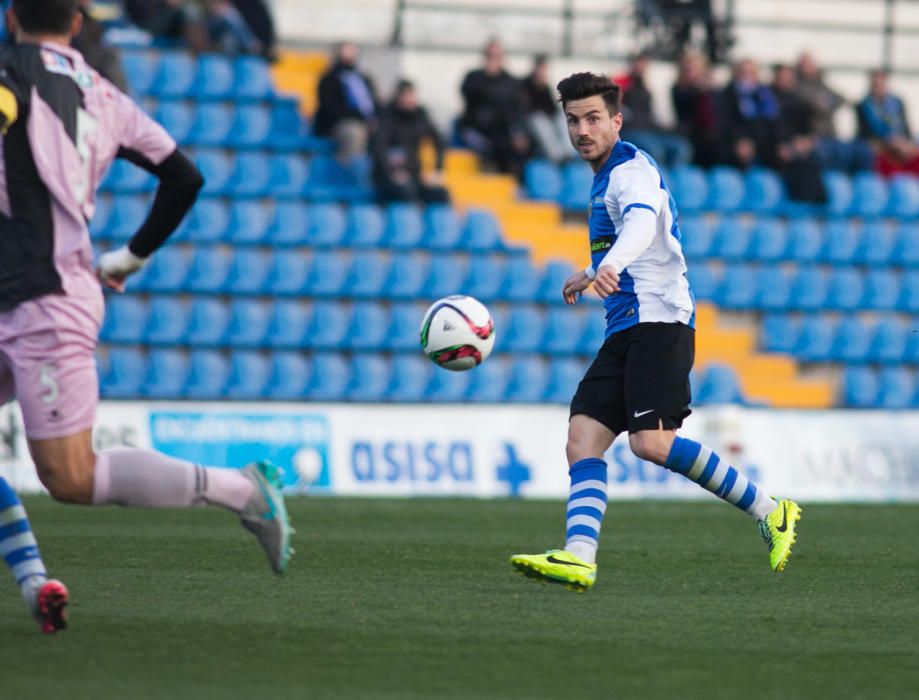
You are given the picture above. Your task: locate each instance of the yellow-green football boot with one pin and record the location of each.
(778, 529)
(557, 566)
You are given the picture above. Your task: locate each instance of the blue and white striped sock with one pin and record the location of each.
(586, 506)
(17, 543)
(700, 464)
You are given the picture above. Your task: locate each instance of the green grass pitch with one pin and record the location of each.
(415, 599)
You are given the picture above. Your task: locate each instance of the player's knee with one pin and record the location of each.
(68, 482)
(651, 445)
(584, 443)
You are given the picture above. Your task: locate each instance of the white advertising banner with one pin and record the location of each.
(499, 451)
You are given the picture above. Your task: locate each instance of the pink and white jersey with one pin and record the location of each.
(64, 125)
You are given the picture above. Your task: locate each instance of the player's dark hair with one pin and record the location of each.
(580, 86)
(45, 16)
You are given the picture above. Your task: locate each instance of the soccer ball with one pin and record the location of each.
(457, 332)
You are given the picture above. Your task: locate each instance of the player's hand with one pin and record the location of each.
(574, 285)
(607, 281)
(116, 265)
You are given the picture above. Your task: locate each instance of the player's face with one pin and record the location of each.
(591, 128)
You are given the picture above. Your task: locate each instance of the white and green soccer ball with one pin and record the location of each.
(457, 332)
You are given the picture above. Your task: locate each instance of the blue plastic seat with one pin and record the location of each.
(249, 374)
(442, 227)
(215, 78)
(486, 278)
(846, 289)
(810, 289)
(773, 288)
(860, 387)
(208, 372)
(488, 383)
(177, 117)
(698, 236)
(128, 213)
(212, 126)
(904, 197)
(897, 386)
(364, 226)
(806, 240)
(882, 289)
(482, 232)
(770, 240)
(719, 384)
(123, 177)
(907, 250)
(167, 270)
(852, 341)
(542, 180)
(525, 330)
(207, 322)
(726, 189)
(405, 327)
(764, 192)
(248, 326)
(216, 167)
(98, 225)
(909, 292)
(529, 377)
(330, 377)
(140, 70)
(407, 276)
(325, 225)
(166, 374)
(738, 287)
(410, 376)
(369, 326)
(689, 187)
(869, 194)
(889, 341)
(841, 242)
(210, 268)
(249, 272)
(577, 181)
(289, 224)
(839, 193)
(446, 276)
(175, 76)
(704, 280)
(288, 377)
(593, 335)
(166, 321)
(249, 222)
(288, 173)
(521, 280)
(564, 376)
(289, 274)
(125, 373)
(251, 175)
(328, 325)
(553, 279)
(327, 275)
(911, 353)
(563, 330)
(370, 377)
(329, 180)
(778, 333)
(368, 274)
(288, 128)
(448, 387)
(288, 324)
(253, 79)
(251, 127)
(125, 318)
(207, 222)
(878, 242)
(733, 239)
(404, 227)
(815, 340)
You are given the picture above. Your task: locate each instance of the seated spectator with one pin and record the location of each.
(797, 134)
(749, 118)
(639, 124)
(493, 122)
(695, 104)
(172, 19)
(260, 23)
(544, 116)
(404, 126)
(91, 43)
(347, 105)
(882, 121)
(835, 154)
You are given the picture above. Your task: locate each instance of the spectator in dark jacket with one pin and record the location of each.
(749, 118)
(544, 116)
(494, 120)
(178, 19)
(695, 104)
(882, 121)
(404, 126)
(347, 110)
(797, 134)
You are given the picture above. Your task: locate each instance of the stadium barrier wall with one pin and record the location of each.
(500, 451)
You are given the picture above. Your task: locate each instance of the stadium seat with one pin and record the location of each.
(704, 280)
(326, 225)
(839, 193)
(328, 180)
(806, 240)
(529, 377)
(251, 127)
(167, 271)
(442, 228)
(207, 222)
(404, 227)
(841, 242)
(554, 276)
(207, 322)
(521, 280)
(140, 70)
(210, 268)
(249, 375)
(125, 318)
(370, 377)
(216, 167)
(177, 117)
(328, 325)
(249, 222)
(287, 174)
(770, 240)
(577, 181)
(778, 333)
(253, 79)
(489, 381)
(369, 326)
(564, 376)
(288, 129)
(525, 330)
(869, 195)
(698, 236)
(166, 321)
(289, 273)
(815, 340)
(128, 213)
(251, 175)
(764, 192)
(846, 290)
(810, 288)
(897, 387)
(882, 289)
(122, 380)
(903, 202)
(212, 126)
(482, 232)
(563, 330)
(288, 377)
(906, 252)
(888, 342)
(123, 177)
(166, 374)
(175, 75)
(689, 187)
(851, 342)
(208, 371)
(407, 276)
(248, 326)
(909, 293)
(446, 276)
(215, 80)
(448, 387)
(405, 327)
(486, 278)
(288, 324)
(911, 353)
(543, 180)
(289, 224)
(878, 243)
(368, 275)
(718, 384)
(327, 275)
(773, 288)
(249, 272)
(410, 376)
(330, 377)
(725, 189)
(733, 239)
(738, 287)
(593, 335)
(860, 387)
(364, 226)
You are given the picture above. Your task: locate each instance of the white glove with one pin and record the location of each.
(115, 266)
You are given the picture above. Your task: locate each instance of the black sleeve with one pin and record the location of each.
(180, 182)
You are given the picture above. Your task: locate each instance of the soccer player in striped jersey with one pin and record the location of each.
(61, 126)
(639, 381)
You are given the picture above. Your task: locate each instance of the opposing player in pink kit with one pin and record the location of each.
(62, 125)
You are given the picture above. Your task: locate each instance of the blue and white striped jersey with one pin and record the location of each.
(633, 227)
